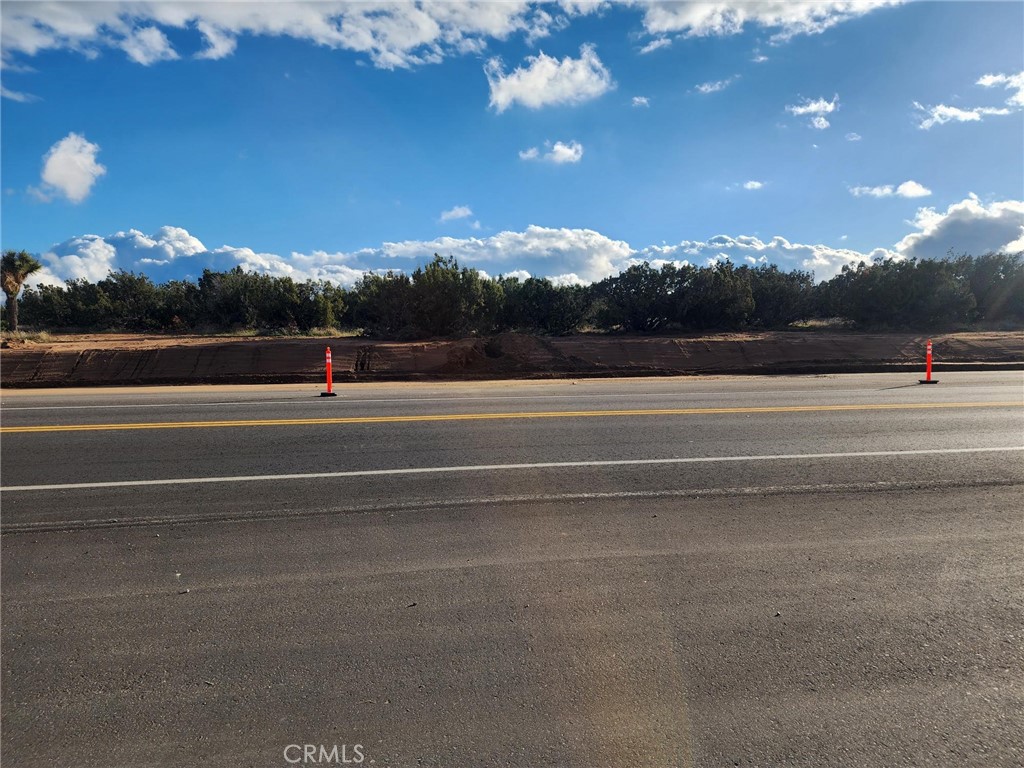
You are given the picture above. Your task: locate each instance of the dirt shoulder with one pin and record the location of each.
(101, 359)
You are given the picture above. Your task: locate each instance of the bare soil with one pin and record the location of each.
(94, 359)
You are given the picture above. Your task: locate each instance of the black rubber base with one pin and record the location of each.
(328, 394)
(927, 381)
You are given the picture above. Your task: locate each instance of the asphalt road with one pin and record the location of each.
(668, 572)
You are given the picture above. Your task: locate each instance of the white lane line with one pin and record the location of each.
(496, 468)
(254, 515)
(455, 399)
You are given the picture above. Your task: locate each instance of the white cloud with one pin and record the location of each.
(545, 80)
(852, 136)
(787, 18)
(148, 46)
(912, 189)
(814, 107)
(565, 153)
(90, 257)
(24, 98)
(391, 34)
(655, 44)
(753, 184)
(163, 247)
(518, 274)
(823, 260)
(906, 189)
(69, 169)
(966, 227)
(714, 86)
(570, 278)
(1014, 83)
(219, 43)
(587, 253)
(558, 153)
(817, 109)
(941, 114)
(759, 58)
(567, 256)
(458, 212)
(641, 101)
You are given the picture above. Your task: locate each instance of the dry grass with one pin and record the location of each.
(38, 337)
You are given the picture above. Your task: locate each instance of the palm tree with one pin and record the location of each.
(14, 268)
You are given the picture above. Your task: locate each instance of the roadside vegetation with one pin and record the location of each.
(15, 268)
(446, 299)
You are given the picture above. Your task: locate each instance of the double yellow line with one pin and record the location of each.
(494, 416)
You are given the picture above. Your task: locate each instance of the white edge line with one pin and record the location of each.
(495, 467)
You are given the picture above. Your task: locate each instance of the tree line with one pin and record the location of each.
(443, 298)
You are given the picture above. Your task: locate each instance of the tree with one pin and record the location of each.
(15, 268)
(780, 298)
(448, 299)
(642, 298)
(382, 304)
(717, 298)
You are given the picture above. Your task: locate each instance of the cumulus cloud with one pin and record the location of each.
(585, 252)
(458, 212)
(968, 226)
(148, 46)
(641, 101)
(816, 109)
(906, 189)
(753, 184)
(90, 257)
(825, 261)
(172, 251)
(518, 274)
(545, 81)
(786, 18)
(566, 256)
(852, 136)
(759, 58)
(391, 34)
(565, 153)
(69, 169)
(714, 86)
(219, 43)
(558, 153)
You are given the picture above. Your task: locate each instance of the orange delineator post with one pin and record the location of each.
(928, 366)
(330, 384)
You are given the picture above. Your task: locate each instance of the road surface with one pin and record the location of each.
(660, 572)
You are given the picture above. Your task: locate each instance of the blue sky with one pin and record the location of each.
(324, 139)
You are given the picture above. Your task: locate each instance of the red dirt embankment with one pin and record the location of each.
(123, 359)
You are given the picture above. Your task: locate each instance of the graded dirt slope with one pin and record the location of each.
(131, 359)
